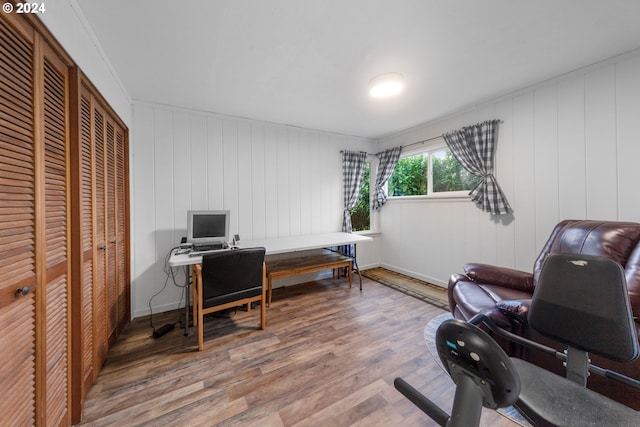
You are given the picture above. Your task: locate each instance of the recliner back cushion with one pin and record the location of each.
(618, 241)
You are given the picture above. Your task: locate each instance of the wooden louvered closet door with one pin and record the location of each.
(85, 367)
(100, 287)
(89, 374)
(111, 271)
(64, 246)
(34, 338)
(17, 227)
(121, 164)
(117, 272)
(100, 177)
(110, 190)
(52, 317)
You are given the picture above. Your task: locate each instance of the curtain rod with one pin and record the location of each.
(433, 138)
(405, 146)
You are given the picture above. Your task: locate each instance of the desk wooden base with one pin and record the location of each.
(310, 264)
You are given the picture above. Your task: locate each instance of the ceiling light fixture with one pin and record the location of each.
(386, 85)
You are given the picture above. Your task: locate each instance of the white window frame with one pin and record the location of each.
(429, 149)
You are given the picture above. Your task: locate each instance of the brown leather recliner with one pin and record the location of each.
(504, 294)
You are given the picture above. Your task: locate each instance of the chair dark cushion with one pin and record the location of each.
(565, 403)
(231, 275)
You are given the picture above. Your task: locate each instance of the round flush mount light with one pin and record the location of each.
(386, 85)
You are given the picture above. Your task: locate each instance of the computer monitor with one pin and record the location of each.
(207, 227)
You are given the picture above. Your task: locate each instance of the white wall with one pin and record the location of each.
(276, 180)
(567, 148)
(68, 25)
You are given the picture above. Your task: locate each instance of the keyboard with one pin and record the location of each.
(200, 253)
(202, 248)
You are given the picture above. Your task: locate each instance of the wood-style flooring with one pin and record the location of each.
(328, 357)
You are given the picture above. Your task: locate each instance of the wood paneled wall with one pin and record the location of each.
(276, 180)
(567, 148)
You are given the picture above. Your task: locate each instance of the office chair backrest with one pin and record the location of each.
(229, 275)
(582, 301)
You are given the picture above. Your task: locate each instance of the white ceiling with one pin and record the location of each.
(307, 63)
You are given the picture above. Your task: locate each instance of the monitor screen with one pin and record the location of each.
(207, 227)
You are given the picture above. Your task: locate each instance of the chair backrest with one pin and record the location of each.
(582, 301)
(231, 273)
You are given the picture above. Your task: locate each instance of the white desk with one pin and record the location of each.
(275, 246)
(302, 243)
(283, 245)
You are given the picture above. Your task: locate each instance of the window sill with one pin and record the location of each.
(460, 196)
(370, 233)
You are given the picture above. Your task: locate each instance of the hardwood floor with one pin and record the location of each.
(328, 357)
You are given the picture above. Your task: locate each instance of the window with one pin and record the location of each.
(431, 171)
(361, 214)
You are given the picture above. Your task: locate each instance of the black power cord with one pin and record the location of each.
(158, 332)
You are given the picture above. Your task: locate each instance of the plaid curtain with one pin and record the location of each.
(352, 174)
(474, 147)
(387, 163)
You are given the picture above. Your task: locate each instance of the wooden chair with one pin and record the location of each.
(228, 279)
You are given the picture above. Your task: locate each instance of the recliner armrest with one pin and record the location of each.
(500, 276)
(517, 310)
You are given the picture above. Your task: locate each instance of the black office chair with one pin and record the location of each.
(579, 300)
(228, 279)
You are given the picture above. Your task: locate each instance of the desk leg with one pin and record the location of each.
(187, 297)
(353, 258)
(355, 262)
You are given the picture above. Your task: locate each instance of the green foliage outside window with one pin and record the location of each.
(410, 178)
(449, 175)
(361, 214)
(411, 175)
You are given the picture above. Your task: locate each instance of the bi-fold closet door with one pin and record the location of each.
(34, 224)
(17, 227)
(64, 248)
(101, 223)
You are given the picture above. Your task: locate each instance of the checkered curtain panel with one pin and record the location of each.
(474, 147)
(387, 164)
(352, 174)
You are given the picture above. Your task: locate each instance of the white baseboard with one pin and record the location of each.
(416, 275)
(158, 309)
